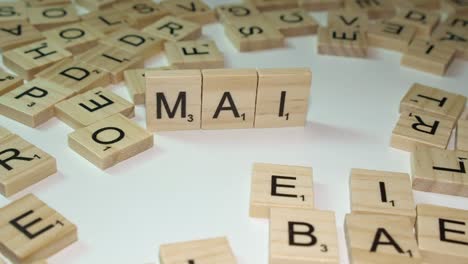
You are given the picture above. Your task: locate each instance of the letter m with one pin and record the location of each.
(161, 102)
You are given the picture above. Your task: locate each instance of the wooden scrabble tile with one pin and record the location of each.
(282, 97)
(280, 186)
(381, 192)
(414, 128)
(76, 38)
(48, 17)
(442, 234)
(4, 132)
(292, 22)
(459, 7)
(174, 29)
(193, 10)
(439, 171)
(28, 60)
(8, 82)
(302, 236)
(423, 4)
(194, 54)
(381, 239)
(173, 100)
(96, 4)
(457, 21)
(135, 80)
(375, 9)
(23, 165)
(434, 101)
(424, 20)
(255, 33)
(215, 250)
(13, 12)
(15, 34)
(462, 135)
(320, 5)
(75, 76)
(112, 60)
(30, 230)
(268, 5)
(229, 98)
(390, 35)
(428, 56)
(341, 42)
(141, 13)
(229, 13)
(110, 141)
(135, 42)
(348, 19)
(453, 37)
(33, 103)
(106, 21)
(38, 3)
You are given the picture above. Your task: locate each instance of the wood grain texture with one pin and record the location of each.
(194, 54)
(76, 37)
(390, 35)
(341, 42)
(193, 10)
(4, 132)
(292, 22)
(320, 5)
(134, 42)
(136, 83)
(269, 5)
(48, 17)
(172, 28)
(16, 34)
(462, 135)
(9, 82)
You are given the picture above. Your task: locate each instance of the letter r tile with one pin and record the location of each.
(280, 186)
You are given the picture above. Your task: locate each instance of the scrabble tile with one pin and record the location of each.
(268, 5)
(255, 33)
(341, 42)
(13, 12)
(136, 83)
(303, 236)
(28, 60)
(48, 17)
(193, 10)
(459, 7)
(381, 192)
(280, 186)
(92, 106)
(414, 128)
(174, 29)
(462, 135)
(434, 101)
(33, 103)
(390, 35)
(442, 234)
(424, 20)
(381, 239)
(8, 82)
(140, 14)
(16, 34)
(440, 171)
(428, 57)
(292, 22)
(112, 60)
(194, 54)
(75, 76)
(95, 4)
(76, 38)
(229, 98)
(4, 132)
(320, 5)
(229, 13)
(457, 21)
(456, 38)
(214, 250)
(30, 230)
(423, 4)
(110, 141)
(376, 9)
(173, 100)
(348, 19)
(22, 165)
(38, 3)
(135, 42)
(106, 21)
(282, 97)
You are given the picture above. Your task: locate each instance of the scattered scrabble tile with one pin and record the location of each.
(106, 21)
(462, 135)
(381, 239)
(453, 37)
(424, 4)
(13, 12)
(174, 29)
(282, 97)
(192, 10)
(8, 82)
(33, 103)
(280, 186)
(194, 54)
(112, 60)
(4, 132)
(141, 13)
(320, 5)
(255, 33)
(92, 106)
(134, 42)
(173, 100)
(375, 9)
(457, 21)
(28, 60)
(136, 83)
(440, 171)
(348, 19)
(390, 35)
(428, 56)
(459, 7)
(48, 17)
(292, 22)
(215, 250)
(424, 20)
(381, 192)
(75, 38)
(414, 128)
(341, 42)
(229, 98)
(110, 141)
(303, 236)
(22, 164)
(15, 34)
(96, 4)
(31, 230)
(268, 5)
(434, 101)
(37, 3)
(229, 13)
(76, 76)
